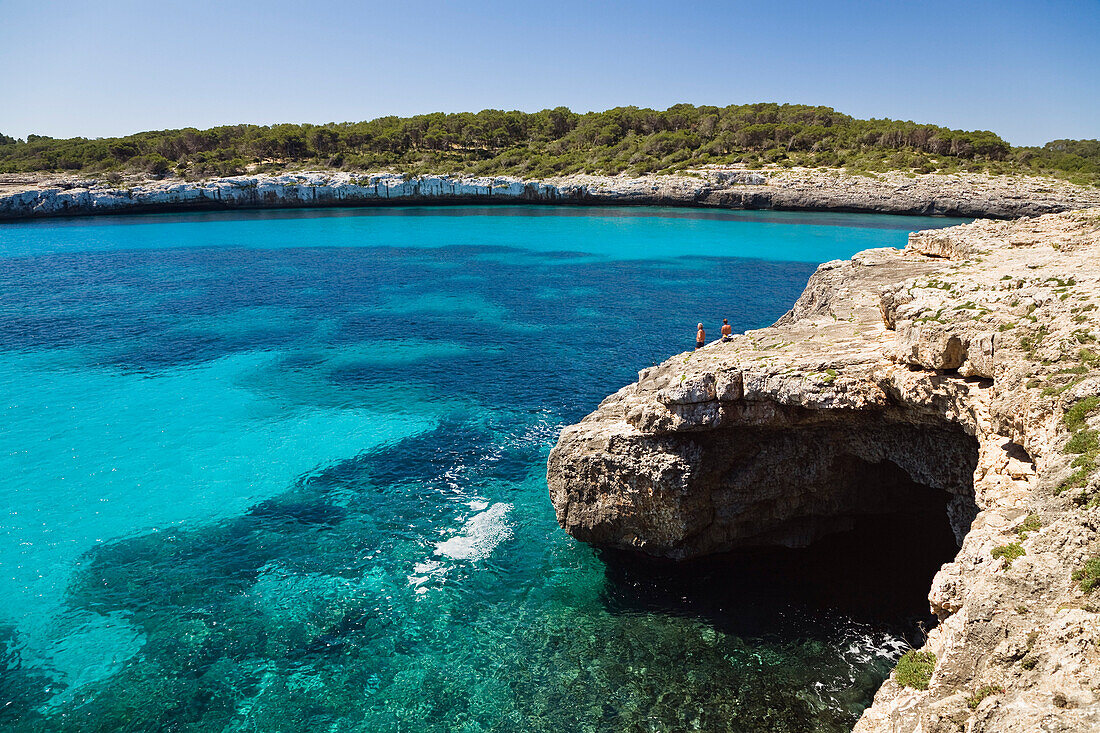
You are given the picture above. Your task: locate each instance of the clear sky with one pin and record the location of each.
(1029, 71)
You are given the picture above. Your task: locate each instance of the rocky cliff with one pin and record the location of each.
(966, 366)
(796, 189)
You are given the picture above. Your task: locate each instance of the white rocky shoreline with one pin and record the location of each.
(796, 189)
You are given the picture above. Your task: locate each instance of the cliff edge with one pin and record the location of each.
(966, 366)
(796, 189)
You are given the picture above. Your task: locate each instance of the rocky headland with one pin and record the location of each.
(964, 194)
(966, 367)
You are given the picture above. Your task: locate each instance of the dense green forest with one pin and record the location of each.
(559, 141)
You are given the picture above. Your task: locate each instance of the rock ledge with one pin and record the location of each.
(964, 194)
(951, 366)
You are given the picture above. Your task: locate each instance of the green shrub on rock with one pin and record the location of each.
(1076, 415)
(1089, 576)
(915, 669)
(1030, 524)
(975, 700)
(1008, 552)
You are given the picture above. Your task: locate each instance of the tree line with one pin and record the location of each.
(558, 142)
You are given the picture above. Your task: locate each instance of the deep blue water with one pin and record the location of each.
(285, 471)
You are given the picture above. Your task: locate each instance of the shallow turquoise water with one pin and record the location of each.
(285, 471)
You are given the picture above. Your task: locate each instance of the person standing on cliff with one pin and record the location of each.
(727, 330)
(700, 337)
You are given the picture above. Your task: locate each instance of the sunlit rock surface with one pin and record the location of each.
(796, 189)
(949, 367)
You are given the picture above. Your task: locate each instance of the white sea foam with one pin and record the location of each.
(423, 572)
(479, 536)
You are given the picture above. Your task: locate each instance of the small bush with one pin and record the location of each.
(1076, 480)
(1009, 552)
(1076, 415)
(1083, 441)
(976, 699)
(1088, 577)
(915, 669)
(1030, 524)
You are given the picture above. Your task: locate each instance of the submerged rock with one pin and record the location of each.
(965, 366)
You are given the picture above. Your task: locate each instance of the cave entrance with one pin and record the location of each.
(815, 539)
(856, 516)
(793, 486)
(878, 570)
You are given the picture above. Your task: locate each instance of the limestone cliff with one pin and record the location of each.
(796, 189)
(967, 364)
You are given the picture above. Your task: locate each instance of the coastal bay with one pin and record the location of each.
(287, 469)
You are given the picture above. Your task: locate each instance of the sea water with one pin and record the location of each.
(285, 471)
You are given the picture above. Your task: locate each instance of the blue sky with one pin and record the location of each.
(1029, 71)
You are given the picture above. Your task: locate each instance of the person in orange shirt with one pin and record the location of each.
(727, 330)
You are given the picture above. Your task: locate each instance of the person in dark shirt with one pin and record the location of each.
(700, 337)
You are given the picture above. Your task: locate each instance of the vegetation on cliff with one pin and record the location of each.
(915, 669)
(1088, 577)
(559, 141)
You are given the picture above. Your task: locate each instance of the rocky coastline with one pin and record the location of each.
(964, 194)
(966, 366)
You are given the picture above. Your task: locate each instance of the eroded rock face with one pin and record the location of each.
(789, 481)
(945, 367)
(797, 189)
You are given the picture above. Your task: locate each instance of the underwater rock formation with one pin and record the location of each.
(965, 366)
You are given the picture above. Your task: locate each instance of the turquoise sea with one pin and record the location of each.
(285, 471)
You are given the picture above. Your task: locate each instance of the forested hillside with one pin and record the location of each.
(559, 141)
